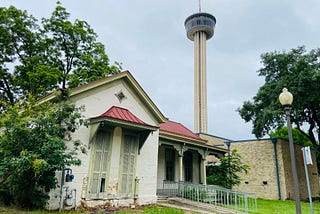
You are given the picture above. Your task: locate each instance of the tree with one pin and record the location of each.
(38, 58)
(33, 147)
(74, 50)
(297, 137)
(18, 40)
(299, 71)
(227, 173)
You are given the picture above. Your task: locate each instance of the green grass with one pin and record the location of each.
(283, 207)
(7, 210)
(147, 210)
(154, 210)
(264, 207)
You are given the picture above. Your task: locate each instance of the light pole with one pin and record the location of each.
(286, 99)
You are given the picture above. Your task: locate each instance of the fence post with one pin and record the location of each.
(246, 203)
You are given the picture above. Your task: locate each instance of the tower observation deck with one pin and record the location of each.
(199, 28)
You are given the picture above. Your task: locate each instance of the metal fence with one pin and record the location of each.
(215, 195)
(169, 189)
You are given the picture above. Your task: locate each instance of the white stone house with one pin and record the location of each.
(132, 148)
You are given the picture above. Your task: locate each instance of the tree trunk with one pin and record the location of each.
(5, 177)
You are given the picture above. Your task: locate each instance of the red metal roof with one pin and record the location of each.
(122, 114)
(178, 128)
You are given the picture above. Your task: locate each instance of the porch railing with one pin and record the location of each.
(215, 195)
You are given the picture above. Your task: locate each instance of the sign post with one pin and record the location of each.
(307, 159)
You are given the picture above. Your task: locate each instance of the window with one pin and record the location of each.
(170, 161)
(128, 161)
(98, 178)
(120, 95)
(188, 166)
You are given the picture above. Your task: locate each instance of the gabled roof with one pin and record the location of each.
(127, 77)
(122, 114)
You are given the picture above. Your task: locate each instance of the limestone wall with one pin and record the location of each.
(262, 177)
(312, 171)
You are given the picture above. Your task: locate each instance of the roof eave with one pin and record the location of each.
(180, 137)
(191, 141)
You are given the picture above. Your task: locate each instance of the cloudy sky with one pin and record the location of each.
(149, 38)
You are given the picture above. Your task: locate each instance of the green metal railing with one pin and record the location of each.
(215, 195)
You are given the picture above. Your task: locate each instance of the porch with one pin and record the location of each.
(182, 155)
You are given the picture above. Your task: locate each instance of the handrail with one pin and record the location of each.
(215, 195)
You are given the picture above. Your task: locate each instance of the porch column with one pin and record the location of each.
(181, 149)
(180, 167)
(203, 172)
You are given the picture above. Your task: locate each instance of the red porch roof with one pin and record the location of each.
(122, 114)
(178, 128)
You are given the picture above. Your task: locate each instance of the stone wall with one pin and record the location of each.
(312, 171)
(262, 178)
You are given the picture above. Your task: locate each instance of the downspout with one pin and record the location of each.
(228, 143)
(274, 141)
(61, 190)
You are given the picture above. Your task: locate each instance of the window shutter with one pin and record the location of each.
(100, 165)
(130, 147)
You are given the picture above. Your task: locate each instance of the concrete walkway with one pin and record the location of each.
(195, 207)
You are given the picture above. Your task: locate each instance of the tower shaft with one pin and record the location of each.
(200, 28)
(200, 83)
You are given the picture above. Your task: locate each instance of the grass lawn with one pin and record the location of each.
(284, 207)
(154, 209)
(147, 210)
(264, 207)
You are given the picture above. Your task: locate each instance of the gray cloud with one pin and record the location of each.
(149, 38)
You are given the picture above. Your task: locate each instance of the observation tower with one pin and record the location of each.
(200, 28)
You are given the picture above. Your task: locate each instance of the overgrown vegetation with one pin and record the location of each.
(33, 146)
(36, 58)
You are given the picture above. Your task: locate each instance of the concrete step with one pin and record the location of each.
(162, 199)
